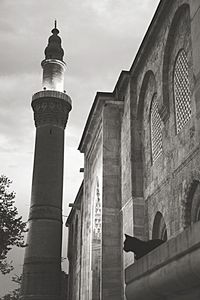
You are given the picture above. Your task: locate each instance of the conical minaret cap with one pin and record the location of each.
(54, 49)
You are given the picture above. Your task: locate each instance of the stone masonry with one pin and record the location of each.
(142, 142)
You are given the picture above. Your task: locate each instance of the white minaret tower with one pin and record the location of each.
(42, 263)
(53, 64)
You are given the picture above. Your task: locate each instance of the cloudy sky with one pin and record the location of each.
(100, 38)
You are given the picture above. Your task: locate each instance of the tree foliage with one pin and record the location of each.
(14, 295)
(12, 228)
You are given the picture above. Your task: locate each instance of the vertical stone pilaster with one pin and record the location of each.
(96, 243)
(111, 203)
(195, 24)
(195, 34)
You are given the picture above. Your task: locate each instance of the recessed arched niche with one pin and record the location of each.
(159, 227)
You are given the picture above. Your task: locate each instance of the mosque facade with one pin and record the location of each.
(141, 146)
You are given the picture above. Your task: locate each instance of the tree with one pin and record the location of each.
(14, 295)
(12, 228)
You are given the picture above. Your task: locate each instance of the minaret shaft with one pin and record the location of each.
(48, 166)
(42, 260)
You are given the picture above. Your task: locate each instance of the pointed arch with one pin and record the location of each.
(148, 89)
(159, 227)
(174, 40)
(148, 79)
(192, 203)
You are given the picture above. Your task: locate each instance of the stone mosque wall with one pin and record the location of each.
(142, 168)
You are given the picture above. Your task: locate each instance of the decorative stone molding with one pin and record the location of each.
(97, 227)
(45, 212)
(51, 107)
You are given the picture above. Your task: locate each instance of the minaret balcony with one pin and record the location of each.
(51, 108)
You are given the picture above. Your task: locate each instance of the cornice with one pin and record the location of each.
(93, 119)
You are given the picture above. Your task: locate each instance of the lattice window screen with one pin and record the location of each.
(182, 92)
(156, 131)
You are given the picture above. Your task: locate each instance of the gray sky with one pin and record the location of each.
(100, 38)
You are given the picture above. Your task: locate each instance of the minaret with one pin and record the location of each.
(42, 262)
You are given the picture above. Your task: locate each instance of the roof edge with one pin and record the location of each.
(90, 117)
(150, 32)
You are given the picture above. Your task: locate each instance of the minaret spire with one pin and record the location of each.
(53, 64)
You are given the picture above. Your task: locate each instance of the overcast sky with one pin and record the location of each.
(100, 38)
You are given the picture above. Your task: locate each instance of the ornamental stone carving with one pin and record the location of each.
(51, 107)
(97, 213)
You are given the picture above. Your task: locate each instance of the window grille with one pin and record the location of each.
(156, 131)
(182, 91)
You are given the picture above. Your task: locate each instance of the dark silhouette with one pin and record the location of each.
(140, 248)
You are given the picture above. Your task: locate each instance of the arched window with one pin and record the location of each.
(156, 131)
(182, 94)
(195, 202)
(159, 227)
(198, 214)
(192, 206)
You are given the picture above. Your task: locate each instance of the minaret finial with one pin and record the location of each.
(54, 49)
